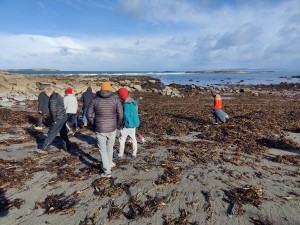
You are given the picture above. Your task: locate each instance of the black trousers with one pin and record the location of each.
(54, 129)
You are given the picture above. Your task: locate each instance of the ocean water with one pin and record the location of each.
(247, 77)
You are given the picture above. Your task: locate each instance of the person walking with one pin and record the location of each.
(218, 113)
(71, 106)
(106, 113)
(85, 99)
(59, 119)
(130, 122)
(43, 109)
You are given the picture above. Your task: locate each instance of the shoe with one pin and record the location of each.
(132, 156)
(215, 124)
(42, 152)
(113, 164)
(142, 139)
(85, 124)
(105, 175)
(38, 128)
(116, 156)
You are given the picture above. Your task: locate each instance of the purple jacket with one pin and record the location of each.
(107, 110)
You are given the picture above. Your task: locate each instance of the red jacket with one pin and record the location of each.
(218, 102)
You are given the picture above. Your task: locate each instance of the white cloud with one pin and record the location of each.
(223, 37)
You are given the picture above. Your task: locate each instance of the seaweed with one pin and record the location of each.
(242, 196)
(170, 175)
(183, 218)
(152, 204)
(58, 204)
(6, 204)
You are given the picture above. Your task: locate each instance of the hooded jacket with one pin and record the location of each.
(43, 103)
(131, 117)
(56, 106)
(70, 103)
(87, 97)
(108, 112)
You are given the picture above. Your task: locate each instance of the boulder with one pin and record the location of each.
(242, 90)
(41, 86)
(137, 87)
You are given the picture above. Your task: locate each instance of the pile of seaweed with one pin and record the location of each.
(252, 119)
(255, 126)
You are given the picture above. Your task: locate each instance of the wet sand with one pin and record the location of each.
(188, 171)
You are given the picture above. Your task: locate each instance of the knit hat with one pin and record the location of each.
(69, 90)
(106, 86)
(123, 93)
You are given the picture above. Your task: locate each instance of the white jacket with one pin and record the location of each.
(71, 104)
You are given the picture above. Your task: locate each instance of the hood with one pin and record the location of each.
(89, 89)
(130, 100)
(104, 94)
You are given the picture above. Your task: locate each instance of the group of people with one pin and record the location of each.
(70, 105)
(105, 111)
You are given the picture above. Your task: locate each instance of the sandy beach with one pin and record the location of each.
(188, 171)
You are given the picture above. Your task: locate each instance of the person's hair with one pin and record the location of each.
(49, 90)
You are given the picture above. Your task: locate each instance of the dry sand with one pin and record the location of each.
(187, 172)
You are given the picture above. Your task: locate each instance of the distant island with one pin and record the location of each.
(31, 70)
(216, 71)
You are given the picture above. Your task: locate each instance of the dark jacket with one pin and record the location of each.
(108, 112)
(56, 106)
(43, 102)
(87, 97)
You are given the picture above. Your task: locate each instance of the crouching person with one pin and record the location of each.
(130, 122)
(59, 118)
(106, 113)
(218, 113)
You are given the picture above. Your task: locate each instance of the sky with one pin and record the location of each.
(149, 35)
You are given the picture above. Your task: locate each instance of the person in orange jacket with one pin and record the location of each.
(218, 113)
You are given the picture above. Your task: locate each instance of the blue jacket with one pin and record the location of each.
(131, 117)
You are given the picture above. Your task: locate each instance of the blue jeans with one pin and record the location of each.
(105, 143)
(72, 119)
(84, 111)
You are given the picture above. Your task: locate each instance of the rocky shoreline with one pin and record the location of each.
(189, 171)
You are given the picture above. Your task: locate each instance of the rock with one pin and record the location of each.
(152, 81)
(255, 94)
(245, 90)
(41, 86)
(191, 177)
(154, 90)
(126, 82)
(137, 87)
(20, 98)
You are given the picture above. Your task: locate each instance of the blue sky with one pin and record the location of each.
(150, 35)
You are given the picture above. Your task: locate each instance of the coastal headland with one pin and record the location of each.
(188, 171)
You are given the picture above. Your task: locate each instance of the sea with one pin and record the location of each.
(200, 78)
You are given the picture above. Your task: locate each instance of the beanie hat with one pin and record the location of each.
(123, 93)
(69, 90)
(106, 86)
